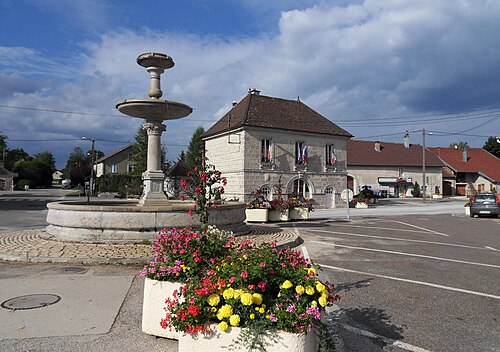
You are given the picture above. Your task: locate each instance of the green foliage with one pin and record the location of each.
(492, 146)
(416, 190)
(125, 184)
(22, 183)
(140, 152)
(194, 154)
(460, 145)
(77, 167)
(13, 156)
(37, 170)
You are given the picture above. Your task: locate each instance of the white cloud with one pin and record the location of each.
(373, 59)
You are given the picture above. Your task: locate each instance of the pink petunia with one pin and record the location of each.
(244, 275)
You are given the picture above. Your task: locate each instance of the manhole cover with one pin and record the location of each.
(73, 270)
(30, 301)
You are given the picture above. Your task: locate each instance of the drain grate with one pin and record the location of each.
(30, 301)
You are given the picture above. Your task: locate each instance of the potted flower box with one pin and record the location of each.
(153, 307)
(220, 341)
(257, 215)
(299, 213)
(279, 214)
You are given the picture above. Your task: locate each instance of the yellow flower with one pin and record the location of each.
(322, 301)
(237, 293)
(228, 293)
(225, 311)
(320, 287)
(252, 316)
(246, 299)
(261, 310)
(223, 326)
(213, 299)
(213, 309)
(310, 290)
(314, 304)
(234, 320)
(299, 289)
(257, 298)
(287, 284)
(312, 271)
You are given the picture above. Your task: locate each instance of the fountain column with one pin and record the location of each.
(153, 177)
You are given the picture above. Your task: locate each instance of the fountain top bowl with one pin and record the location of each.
(154, 109)
(155, 60)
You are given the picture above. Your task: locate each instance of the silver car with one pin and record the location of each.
(485, 204)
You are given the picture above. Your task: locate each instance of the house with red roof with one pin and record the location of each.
(391, 169)
(263, 141)
(468, 170)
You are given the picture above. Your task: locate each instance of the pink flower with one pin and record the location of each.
(182, 197)
(190, 212)
(262, 286)
(232, 279)
(244, 275)
(251, 287)
(262, 264)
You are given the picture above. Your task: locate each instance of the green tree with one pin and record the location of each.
(492, 145)
(460, 145)
(46, 167)
(3, 145)
(416, 190)
(194, 153)
(13, 156)
(77, 167)
(182, 156)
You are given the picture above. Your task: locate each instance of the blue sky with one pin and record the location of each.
(374, 67)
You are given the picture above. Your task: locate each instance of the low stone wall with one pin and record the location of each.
(124, 222)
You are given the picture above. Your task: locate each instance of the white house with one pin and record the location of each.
(263, 141)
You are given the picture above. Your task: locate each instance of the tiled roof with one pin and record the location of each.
(180, 169)
(478, 161)
(256, 110)
(390, 154)
(114, 152)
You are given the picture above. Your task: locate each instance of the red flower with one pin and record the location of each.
(262, 264)
(251, 287)
(194, 310)
(244, 275)
(190, 212)
(182, 197)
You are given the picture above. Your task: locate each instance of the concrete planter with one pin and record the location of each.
(286, 342)
(279, 215)
(257, 215)
(299, 213)
(361, 205)
(437, 196)
(467, 210)
(153, 307)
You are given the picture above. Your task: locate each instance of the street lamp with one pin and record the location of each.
(91, 182)
(423, 165)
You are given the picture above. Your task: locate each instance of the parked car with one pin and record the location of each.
(485, 204)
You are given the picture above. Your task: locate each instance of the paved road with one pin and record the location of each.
(413, 283)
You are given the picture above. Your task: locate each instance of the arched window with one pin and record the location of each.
(266, 192)
(300, 188)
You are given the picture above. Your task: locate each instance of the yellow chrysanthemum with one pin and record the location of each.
(237, 293)
(246, 299)
(252, 316)
(257, 298)
(234, 320)
(286, 285)
(223, 326)
(322, 301)
(299, 289)
(213, 299)
(228, 293)
(314, 304)
(310, 290)
(261, 310)
(225, 311)
(320, 287)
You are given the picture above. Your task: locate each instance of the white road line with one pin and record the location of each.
(388, 341)
(412, 281)
(421, 228)
(491, 248)
(382, 228)
(409, 254)
(398, 239)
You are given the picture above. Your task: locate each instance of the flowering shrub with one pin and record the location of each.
(258, 201)
(299, 201)
(257, 287)
(183, 253)
(206, 186)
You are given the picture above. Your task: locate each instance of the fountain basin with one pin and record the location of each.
(117, 221)
(154, 109)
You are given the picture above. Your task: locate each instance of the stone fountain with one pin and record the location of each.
(121, 221)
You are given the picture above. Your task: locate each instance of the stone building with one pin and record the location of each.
(119, 161)
(6, 178)
(264, 141)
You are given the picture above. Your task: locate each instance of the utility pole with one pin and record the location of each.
(423, 165)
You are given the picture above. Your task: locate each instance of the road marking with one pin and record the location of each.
(421, 228)
(408, 254)
(403, 345)
(491, 248)
(398, 239)
(412, 281)
(382, 228)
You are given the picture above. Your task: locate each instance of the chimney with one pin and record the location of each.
(464, 155)
(407, 140)
(254, 91)
(377, 146)
(235, 103)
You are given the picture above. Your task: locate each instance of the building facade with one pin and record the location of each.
(265, 142)
(119, 161)
(6, 178)
(391, 169)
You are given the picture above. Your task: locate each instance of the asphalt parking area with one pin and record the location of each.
(412, 283)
